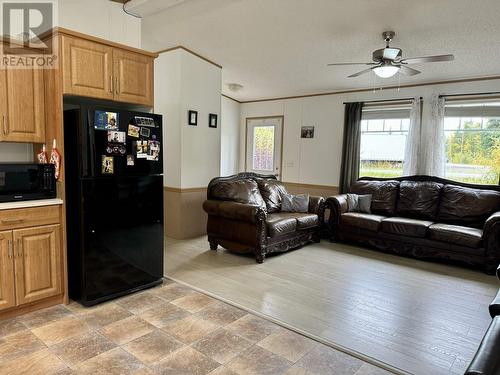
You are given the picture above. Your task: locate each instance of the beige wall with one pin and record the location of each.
(185, 82)
(317, 161)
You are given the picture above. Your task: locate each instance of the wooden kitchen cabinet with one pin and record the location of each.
(7, 289)
(133, 77)
(87, 68)
(22, 105)
(37, 263)
(31, 258)
(102, 70)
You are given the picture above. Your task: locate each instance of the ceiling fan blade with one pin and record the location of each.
(359, 73)
(340, 64)
(409, 71)
(417, 60)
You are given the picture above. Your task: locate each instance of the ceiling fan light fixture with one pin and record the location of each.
(386, 71)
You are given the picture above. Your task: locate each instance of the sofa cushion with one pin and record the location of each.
(384, 194)
(242, 191)
(418, 199)
(456, 234)
(271, 191)
(279, 224)
(466, 206)
(305, 221)
(362, 220)
(406, 226)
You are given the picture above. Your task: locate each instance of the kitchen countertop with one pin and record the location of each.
(33, 203)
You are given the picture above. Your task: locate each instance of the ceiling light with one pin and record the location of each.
(234, 87)
(386, 71)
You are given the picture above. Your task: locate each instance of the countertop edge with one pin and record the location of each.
(29, 204)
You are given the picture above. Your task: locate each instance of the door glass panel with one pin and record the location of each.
(263, 148)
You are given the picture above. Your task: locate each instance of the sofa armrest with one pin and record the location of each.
(337, 205)
(486, 361)
(233, 210)
(491, 237)
(315, 204)
(494, 307)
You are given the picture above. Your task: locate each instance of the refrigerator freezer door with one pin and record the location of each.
(123, 235)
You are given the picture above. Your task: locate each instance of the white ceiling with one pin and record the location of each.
(280, 48)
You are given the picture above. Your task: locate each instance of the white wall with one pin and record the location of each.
(230, 137)
(185, 82)
(16, 152)
(317, 161)
(100, 18)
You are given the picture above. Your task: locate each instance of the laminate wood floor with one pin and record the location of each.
(418, 317)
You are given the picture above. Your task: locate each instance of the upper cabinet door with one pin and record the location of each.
(37, 263)
(133, 77)
(87, 68)
(7, 289)
(22, 93)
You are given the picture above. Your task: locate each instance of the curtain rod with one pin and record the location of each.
(385, 100)
(472, 94)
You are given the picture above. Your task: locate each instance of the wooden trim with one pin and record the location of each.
(184, 190)
(233, 99)
(33, 306)
(488, 78)
(311, 186)
(61, 30)
(191, 52)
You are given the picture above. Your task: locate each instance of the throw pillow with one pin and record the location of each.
(295, 203)
(359, 203)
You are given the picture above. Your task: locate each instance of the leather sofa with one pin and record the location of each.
(244, 216)
(424, 217)
(487, 358)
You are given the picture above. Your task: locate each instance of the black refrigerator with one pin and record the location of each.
(114, 201)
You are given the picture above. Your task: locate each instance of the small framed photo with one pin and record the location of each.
(133, 131)
(193, 118)
(141, 149)
(212, 120)
(307, 132)
(145, 132)
(107, 166)
(116, 137)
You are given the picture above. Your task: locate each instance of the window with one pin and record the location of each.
(383, 140)
(263, 148)
(473, 142)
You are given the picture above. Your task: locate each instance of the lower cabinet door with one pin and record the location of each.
(7, 289)
(37, 262)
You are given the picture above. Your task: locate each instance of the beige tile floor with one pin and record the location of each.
(170, 329)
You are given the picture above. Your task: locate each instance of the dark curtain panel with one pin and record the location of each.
(349, 171)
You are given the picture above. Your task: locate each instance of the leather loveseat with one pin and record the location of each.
(487, 358)
(244, 215)
(425, 217)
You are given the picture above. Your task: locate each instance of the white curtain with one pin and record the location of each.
(432, 140)
(411, 160)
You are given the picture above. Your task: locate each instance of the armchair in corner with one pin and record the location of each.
(245, 216)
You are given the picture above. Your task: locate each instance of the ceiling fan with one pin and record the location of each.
(388, 61)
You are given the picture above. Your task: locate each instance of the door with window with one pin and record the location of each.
(263, 145)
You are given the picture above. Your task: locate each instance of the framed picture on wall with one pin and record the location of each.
(307, 132)
(212, 120)
(193, 118)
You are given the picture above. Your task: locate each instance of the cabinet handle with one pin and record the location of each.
(7, 123)
(117, 85)
(3, 125)
(11, 254)
(19, 248)
(12, 221)
(111, 84)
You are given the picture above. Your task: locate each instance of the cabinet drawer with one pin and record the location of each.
(29, 217)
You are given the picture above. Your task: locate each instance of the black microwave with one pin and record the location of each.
(20, 182)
